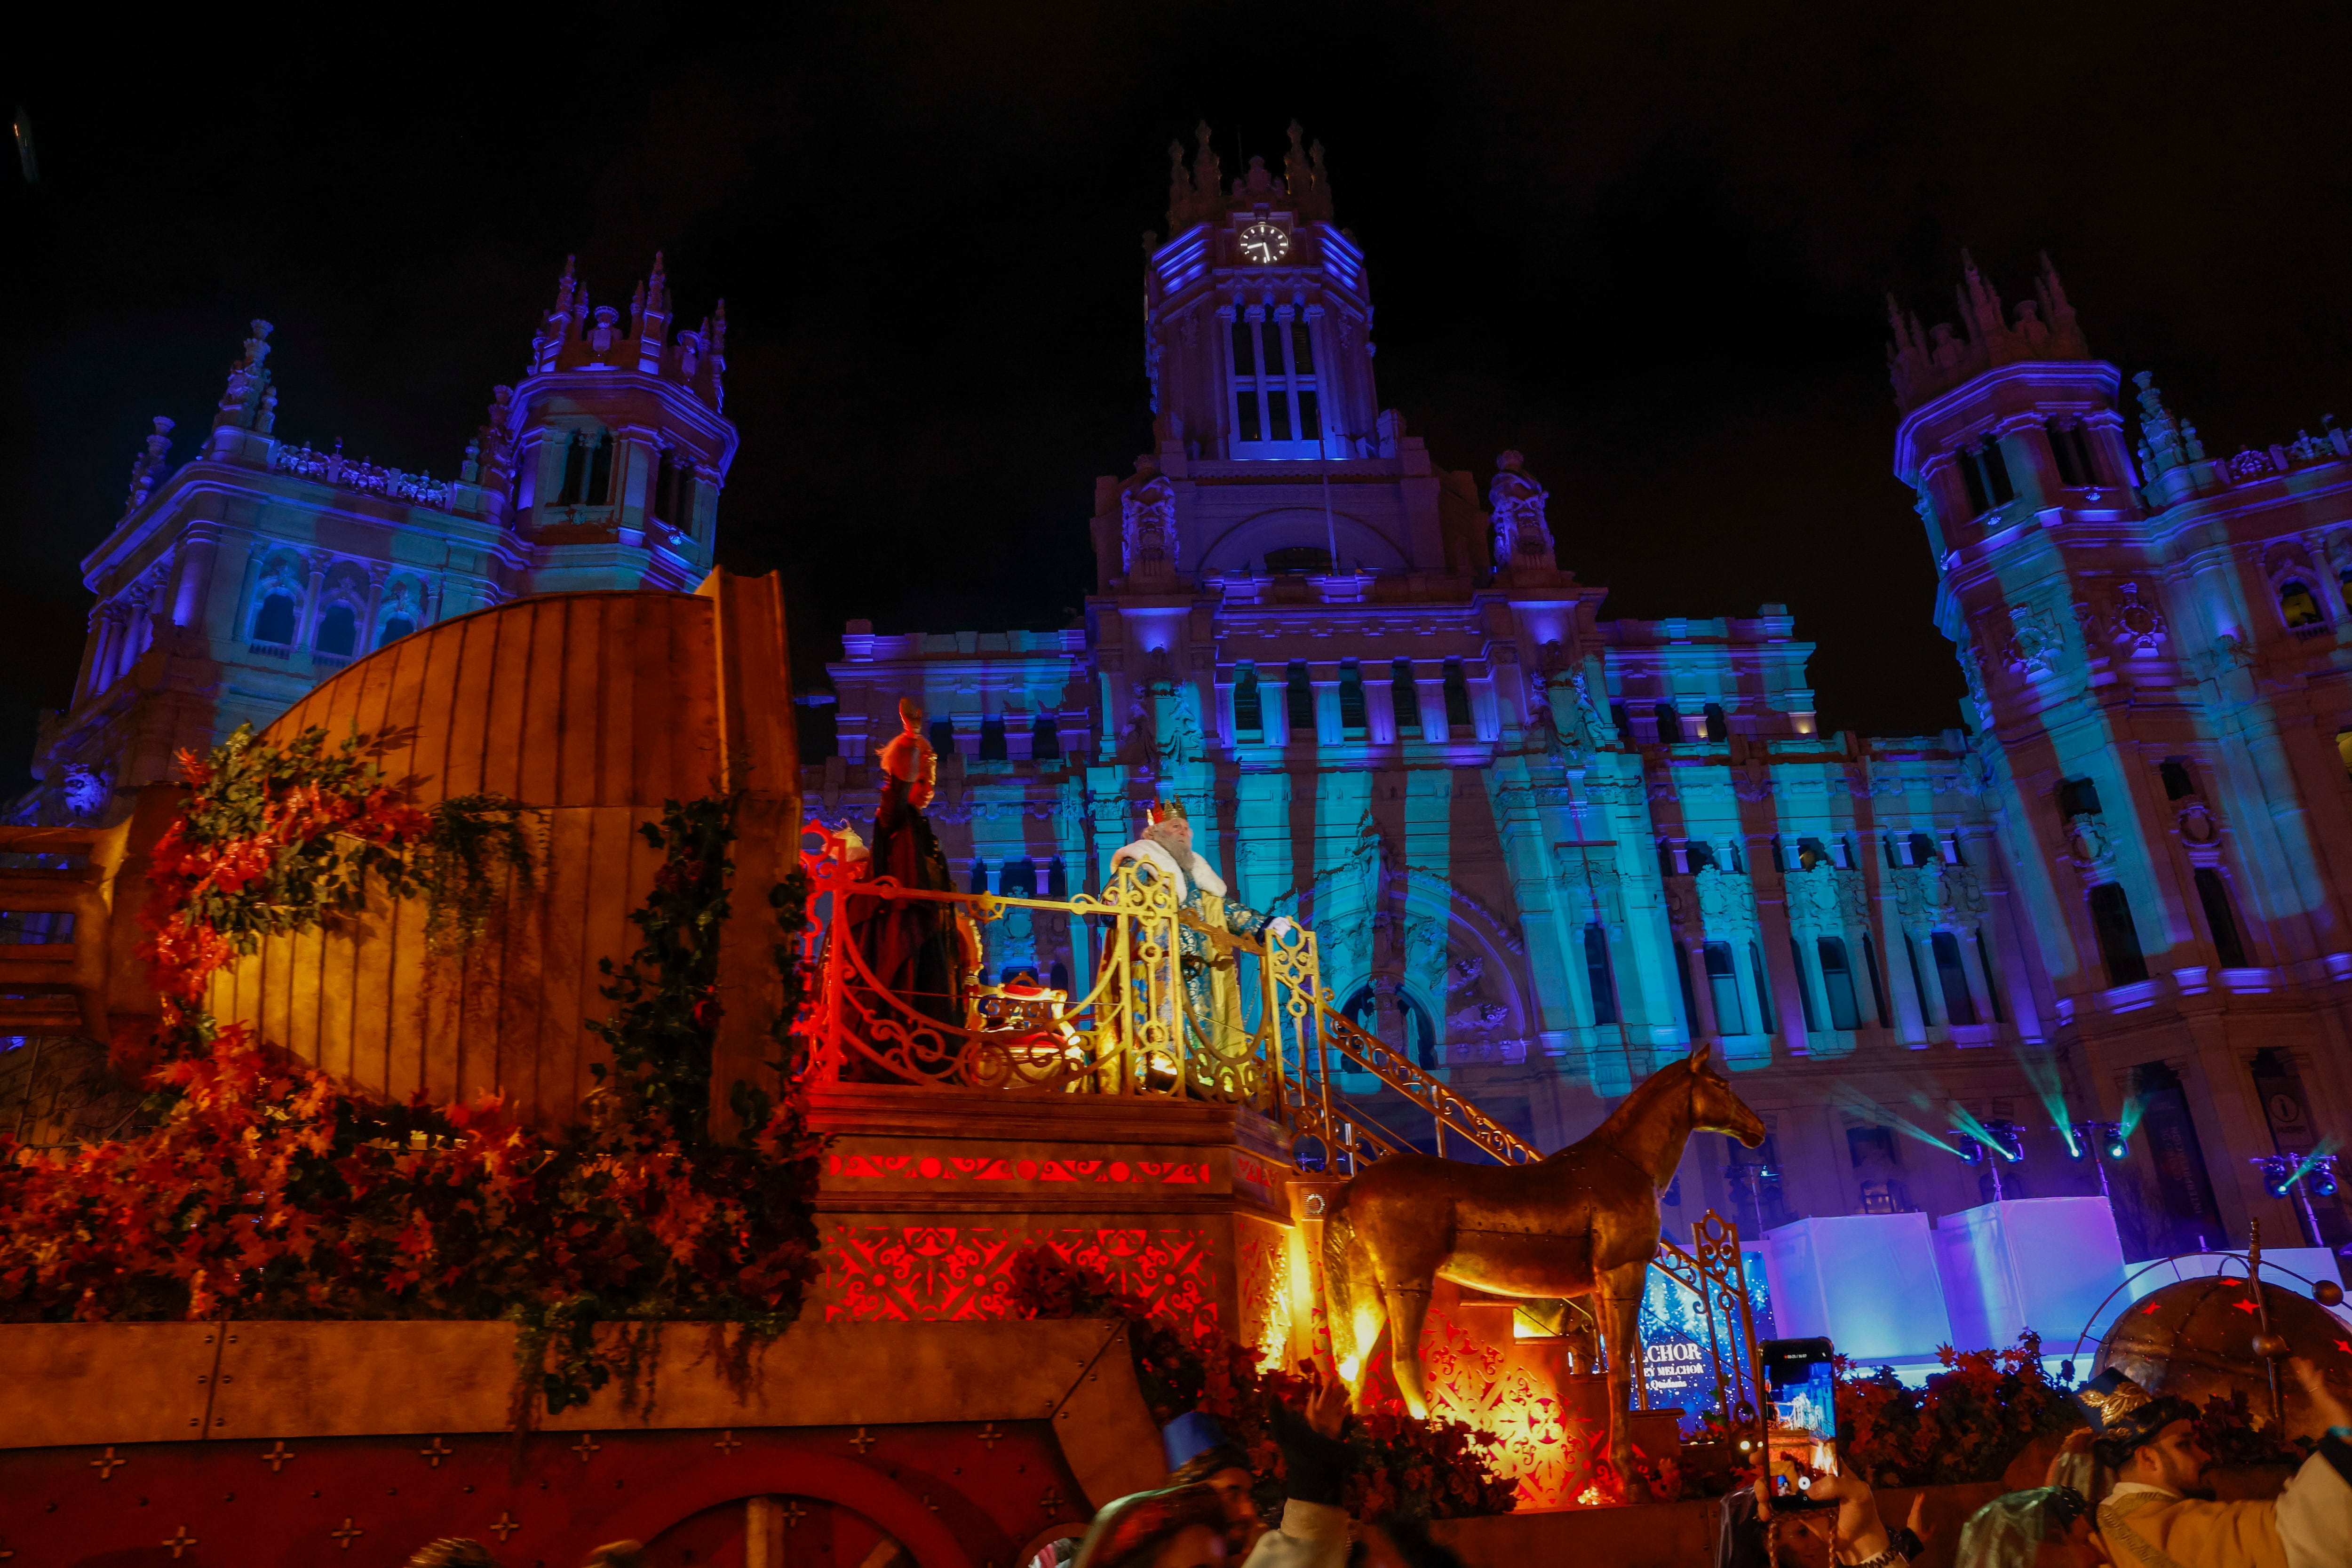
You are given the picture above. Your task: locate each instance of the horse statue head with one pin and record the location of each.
(1713, 1107)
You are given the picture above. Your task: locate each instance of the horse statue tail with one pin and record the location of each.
(1339, 1304)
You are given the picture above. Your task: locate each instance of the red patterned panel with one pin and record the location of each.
(924, 1272)
(996, 1168)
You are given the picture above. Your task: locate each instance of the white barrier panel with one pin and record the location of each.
(1867, 1281)
(2044, 1264)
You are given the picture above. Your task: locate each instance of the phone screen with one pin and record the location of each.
(1801, 1380)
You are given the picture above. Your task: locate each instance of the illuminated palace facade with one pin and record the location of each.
(1544, 850)
(236, 581)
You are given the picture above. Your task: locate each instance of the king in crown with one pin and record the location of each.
(1212, 1025)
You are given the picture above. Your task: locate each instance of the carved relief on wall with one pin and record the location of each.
(1937, 895)
(1827, 897)
(1148, 523)
(2090, 847)
(1726, 902)
(2197, 822)
(2035, 642)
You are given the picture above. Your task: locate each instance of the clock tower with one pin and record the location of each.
(1260, 319)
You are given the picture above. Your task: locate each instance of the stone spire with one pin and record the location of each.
(1196, 198)
(147, 469)
(1925, 365)
(1302, 173)
(241, 404)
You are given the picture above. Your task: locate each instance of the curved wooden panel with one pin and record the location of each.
(595, 708)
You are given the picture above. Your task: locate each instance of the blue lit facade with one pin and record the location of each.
(237, 580)
(1543, 848)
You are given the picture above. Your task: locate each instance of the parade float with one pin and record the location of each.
(542, 1142)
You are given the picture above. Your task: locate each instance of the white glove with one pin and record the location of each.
(1279, 927)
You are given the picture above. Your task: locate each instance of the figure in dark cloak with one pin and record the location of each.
(911, 944)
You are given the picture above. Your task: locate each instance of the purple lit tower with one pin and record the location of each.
(237, 580)
(2159, 654)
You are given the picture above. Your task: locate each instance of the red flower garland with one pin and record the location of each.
(269, 1191)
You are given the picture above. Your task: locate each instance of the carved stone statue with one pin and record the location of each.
(1522, 535)
(1148, 547)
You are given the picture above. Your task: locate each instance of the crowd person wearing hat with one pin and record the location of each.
(2151, 1515)
(1192, 1525)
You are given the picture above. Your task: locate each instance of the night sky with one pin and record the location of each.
(1646, 244)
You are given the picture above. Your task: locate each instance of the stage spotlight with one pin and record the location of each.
(2321, 1178)
(2009, 1137)
(2118, 1147)
(1971, 1152)
(2279, 1172)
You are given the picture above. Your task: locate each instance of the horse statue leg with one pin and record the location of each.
(1618, 1302)
(1408, 1310)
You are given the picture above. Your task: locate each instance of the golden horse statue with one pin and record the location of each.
(1581, 1221)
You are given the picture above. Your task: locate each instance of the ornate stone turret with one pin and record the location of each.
(1925, 365)
(616, 441)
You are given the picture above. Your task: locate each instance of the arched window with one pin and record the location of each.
(397, 627)
(2215, 897)
(980, 876)
(1700, 856)
(1690, 997)
(1058, 978)
(1045, 739)
(943, 737)
(1597, 973)
(339, 631)
(1670, 724)
(1457, 700)
(1878, 985)
(1404, 700)
(1763, 988)
(1723, 990)
(1837, 983)
(2297, 603)
(992, 748)
(1666, 867)
(1298, 703)
(1923, 849)
(1057, 881)
(1352, 699)
(1813, 852)
(274, 621)
(1719, 728)
(2178, 783)
(1295, 557)
(1018, 879)
(1249, 709)
(1804, 992)
(1960, 1006)
(1397, 1021)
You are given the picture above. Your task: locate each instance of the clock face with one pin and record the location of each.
(1264, 243)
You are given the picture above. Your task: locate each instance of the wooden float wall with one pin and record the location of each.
(595, 708)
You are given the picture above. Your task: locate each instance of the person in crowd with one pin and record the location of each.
(2151, 1516)
(1856, 1536)
(1200, 1454)
(452, 1552)
(617, 1555)
(2045, 1526)
(1190, 1526)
